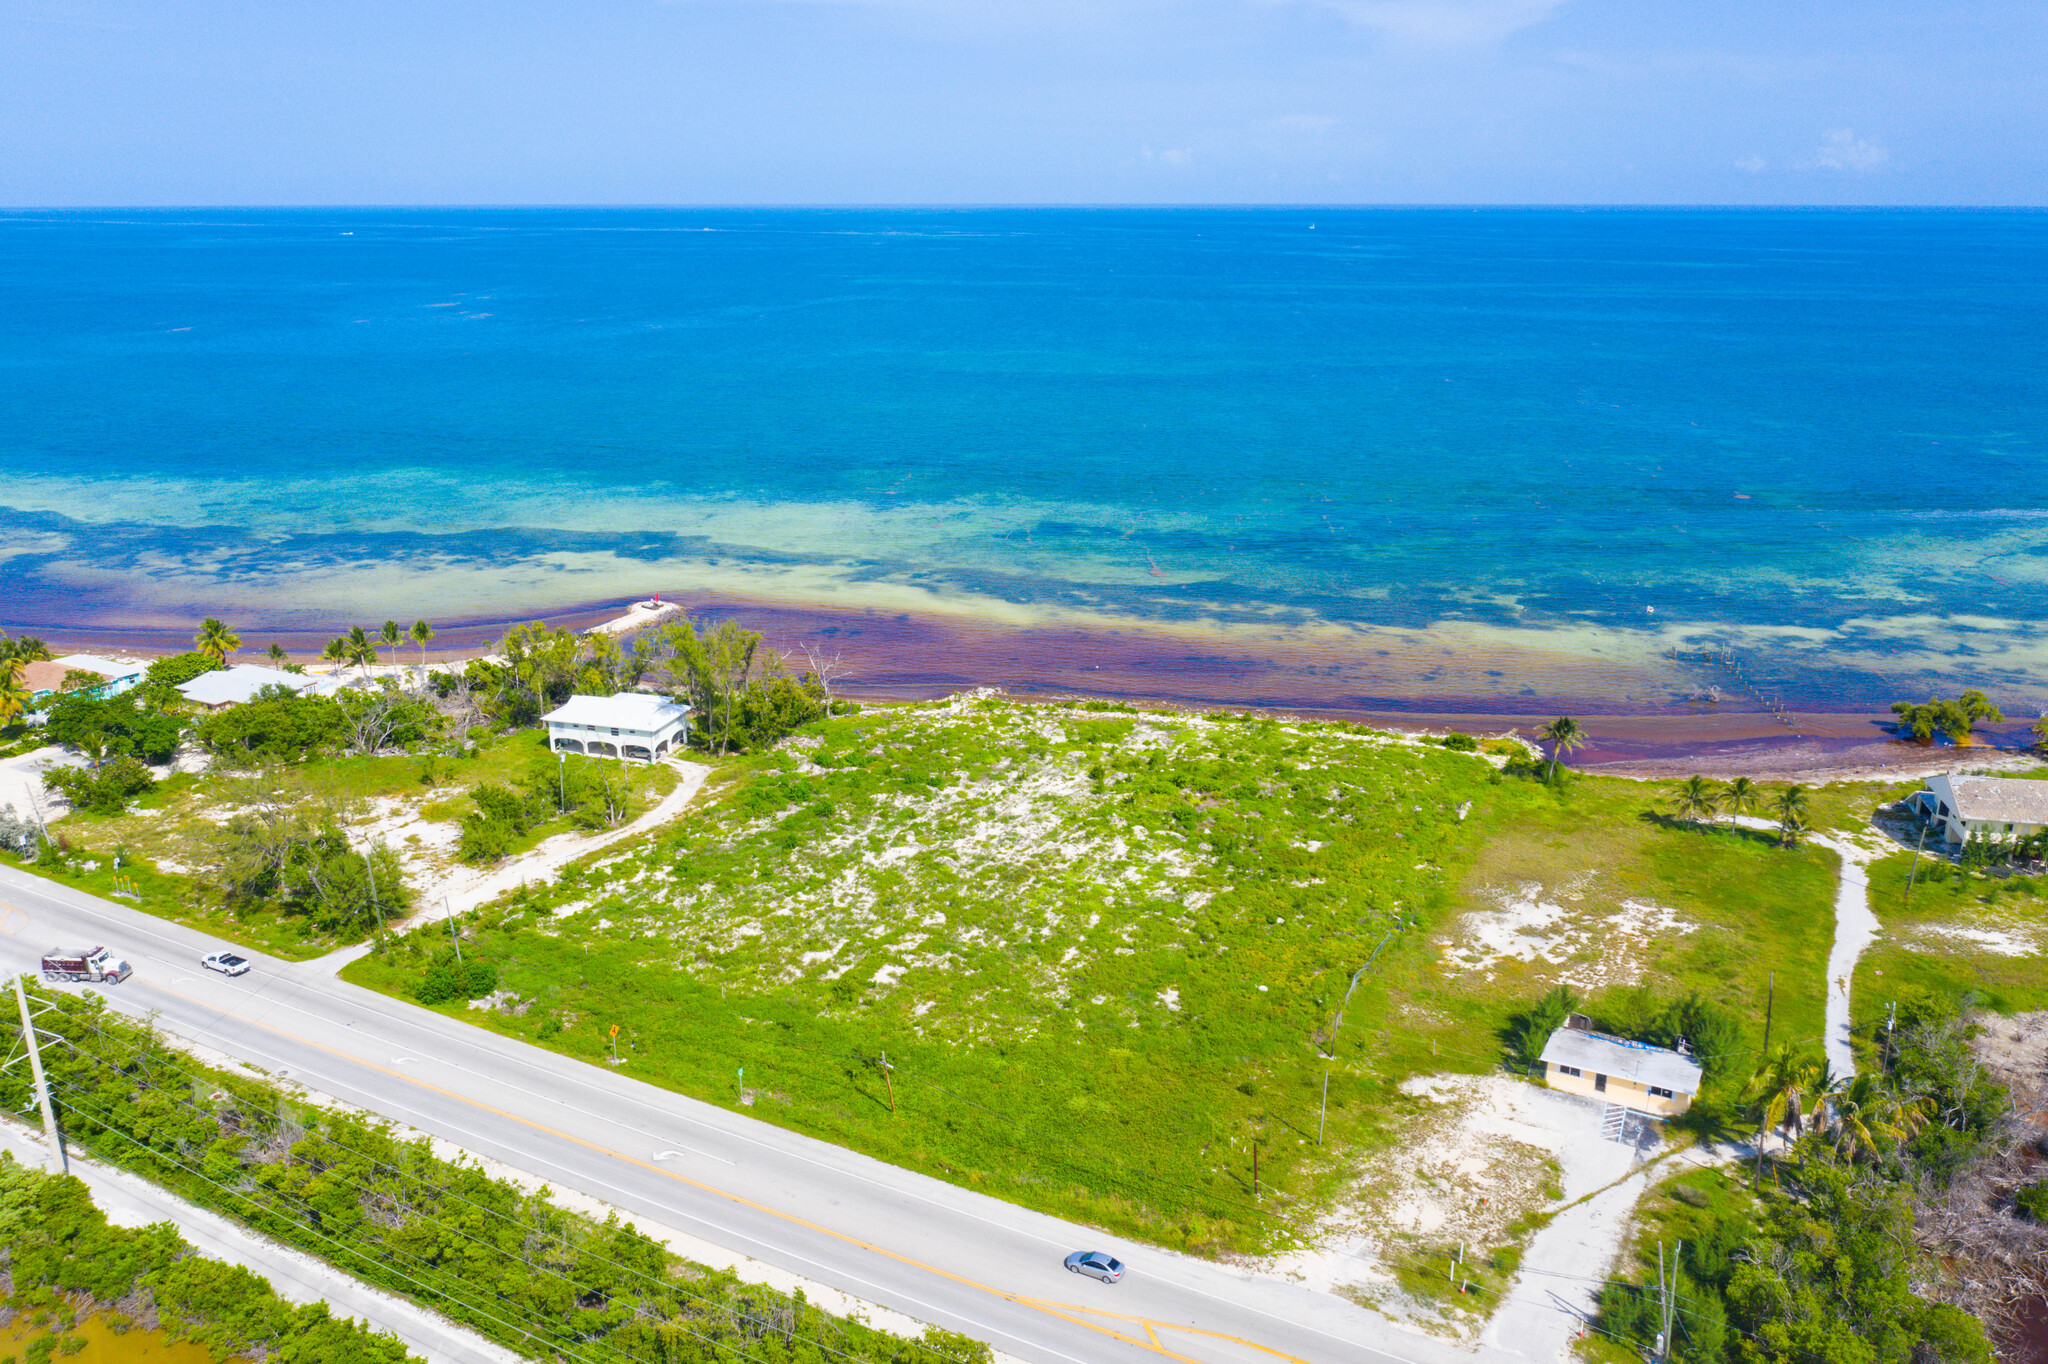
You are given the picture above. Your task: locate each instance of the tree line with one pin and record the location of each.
(744, 694)
(1698, 800)
(64, 1260)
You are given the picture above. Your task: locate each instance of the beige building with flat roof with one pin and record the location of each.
(1632, 1074)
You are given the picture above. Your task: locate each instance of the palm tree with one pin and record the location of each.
(336, 651)
(25, 649)
(360, 649)
(216, 641)
(1741, 796)
(15, 699)
(1782, 1088)
(420, 633)
(1790, 808)
(278, 656)
(1862, 1119)
(1564, 736)
(391, 636)
(1695, 800)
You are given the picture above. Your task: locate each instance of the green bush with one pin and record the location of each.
(104, 728)
(504, 816)
(1529, 1030)
(483, 839)
(448, 978)
(57, 1242)
(299, 866)
(277, 724)
(1459, 742)
(105, 790)
(2033, 1200)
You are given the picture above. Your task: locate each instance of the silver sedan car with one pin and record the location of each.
(1096, 1265)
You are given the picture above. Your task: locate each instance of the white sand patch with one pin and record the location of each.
(1596, 947)
(1480, 1152)
(1991, 940)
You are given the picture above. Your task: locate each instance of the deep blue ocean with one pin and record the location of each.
(1529, 436)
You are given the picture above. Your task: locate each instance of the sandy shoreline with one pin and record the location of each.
(901, 657)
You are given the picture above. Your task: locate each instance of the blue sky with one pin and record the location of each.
(1022, 101)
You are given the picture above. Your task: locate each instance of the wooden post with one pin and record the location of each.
(889, 1081)
(1770, 1001)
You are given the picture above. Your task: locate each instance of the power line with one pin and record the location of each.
(427, 1291)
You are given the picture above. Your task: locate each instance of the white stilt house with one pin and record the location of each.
(1990, 808)
(634, 726)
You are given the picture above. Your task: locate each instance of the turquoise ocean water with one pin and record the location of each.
(1467, 456)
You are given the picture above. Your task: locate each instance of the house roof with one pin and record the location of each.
(628, 710)
(47, 676)
(105, 667)
(237, 685)
(2005, 799)
(1603, 1055)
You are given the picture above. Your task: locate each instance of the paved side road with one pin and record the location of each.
(928, 1250)
(130, 1201)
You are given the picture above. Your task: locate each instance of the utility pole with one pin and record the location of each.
(54, 1160)
(1914, 870)
(1770, 1001)
(1663, 1306)
(1324, 1118)
(375, 903)
(563, 805)
(457, 937)
(889, 1081)
(1891, 1024)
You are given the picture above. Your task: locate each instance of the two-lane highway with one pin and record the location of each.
(889, 1236)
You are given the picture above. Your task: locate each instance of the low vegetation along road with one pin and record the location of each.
(881, 1234)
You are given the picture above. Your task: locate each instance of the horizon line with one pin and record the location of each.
(900, 206)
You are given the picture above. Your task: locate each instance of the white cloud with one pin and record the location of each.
(1172, 156)
(1752, 164)
(1840, 149)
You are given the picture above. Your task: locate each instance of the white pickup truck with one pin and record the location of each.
(94, 964)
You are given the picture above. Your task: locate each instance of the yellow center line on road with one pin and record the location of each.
(1152, 1328)
(1065, 1311)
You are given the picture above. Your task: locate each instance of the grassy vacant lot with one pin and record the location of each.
(1956, 930)
(165, 843)
(1107, 953)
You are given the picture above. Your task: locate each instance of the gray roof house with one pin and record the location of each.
(236, 686)
(1982, 807)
